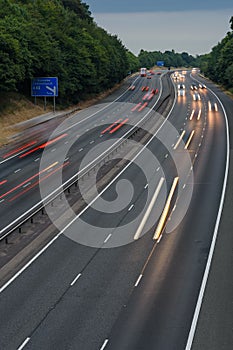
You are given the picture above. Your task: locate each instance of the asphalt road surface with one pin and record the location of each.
(99, 285)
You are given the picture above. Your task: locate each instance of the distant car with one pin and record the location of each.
(196, 97)
(202, 86)
(152, 72)
(159, 73)
(193, 87)
(212, 106)
(149, 76)
(181, 86)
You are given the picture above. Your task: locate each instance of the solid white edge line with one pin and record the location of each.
(76, 278)
(211, 252)
(24, 344)
(104, 344)
(70, 223)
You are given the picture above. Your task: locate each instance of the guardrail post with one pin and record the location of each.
(68, 189)
(20, 230)
(6, 240)
(42, 211)
(31, 220)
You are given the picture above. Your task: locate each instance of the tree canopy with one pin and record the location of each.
(58, 38)
(170, 58)
(218, 64)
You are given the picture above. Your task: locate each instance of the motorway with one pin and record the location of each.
(21, 166)
(102, 283)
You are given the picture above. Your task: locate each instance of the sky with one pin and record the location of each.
(193, 26)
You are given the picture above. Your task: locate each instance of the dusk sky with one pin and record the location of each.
(191, 26)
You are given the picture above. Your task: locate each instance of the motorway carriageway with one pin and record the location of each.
(138, 295)
(21, 165)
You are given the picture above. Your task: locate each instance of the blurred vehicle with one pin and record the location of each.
(212, 106)
(181, 86)
(196, 97)
(181, 92)
(193, 87)
(149, 76)
(196, 70)
(202, 86)
(176, 76)
(155, 91)
(143, 72)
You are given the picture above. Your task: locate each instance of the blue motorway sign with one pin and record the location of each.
(44, 86)
(160, 63)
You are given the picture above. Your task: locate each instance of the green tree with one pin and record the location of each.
(58, 38)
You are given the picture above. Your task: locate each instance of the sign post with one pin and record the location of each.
(45, 87)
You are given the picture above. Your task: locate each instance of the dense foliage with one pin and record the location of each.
(218, 64)
(170, 58)
(58, 38)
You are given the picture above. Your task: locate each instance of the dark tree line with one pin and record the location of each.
(58, 38)
(218, 64)
(170, 58)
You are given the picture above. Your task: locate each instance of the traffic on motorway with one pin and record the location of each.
(122, 198)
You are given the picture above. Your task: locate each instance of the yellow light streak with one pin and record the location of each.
(166, 209)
